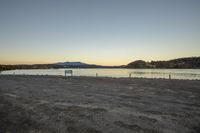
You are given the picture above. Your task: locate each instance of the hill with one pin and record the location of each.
(190, 62)
(55, 66)
(71, 64)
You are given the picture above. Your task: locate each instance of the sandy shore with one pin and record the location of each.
(50, 104)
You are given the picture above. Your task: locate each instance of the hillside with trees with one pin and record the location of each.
(190, 62)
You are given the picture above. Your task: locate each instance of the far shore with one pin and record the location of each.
(79, 104)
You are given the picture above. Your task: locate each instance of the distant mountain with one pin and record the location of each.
(190, 62)
(80, 65)
(71, 64)
(74, 65)
(55, 66)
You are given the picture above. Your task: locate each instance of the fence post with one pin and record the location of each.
(129, 75)
(169, 76)
(96, 74)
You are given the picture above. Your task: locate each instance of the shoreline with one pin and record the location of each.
(15, 75)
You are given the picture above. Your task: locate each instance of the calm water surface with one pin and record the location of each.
(145, 73)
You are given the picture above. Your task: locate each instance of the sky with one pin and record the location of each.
(104, 32)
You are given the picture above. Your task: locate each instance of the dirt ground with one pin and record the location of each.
(52, 104)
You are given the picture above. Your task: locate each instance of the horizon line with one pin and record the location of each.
(98, 64)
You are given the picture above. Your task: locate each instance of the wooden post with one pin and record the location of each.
(96, 74)
(169, 76)
(129, 75)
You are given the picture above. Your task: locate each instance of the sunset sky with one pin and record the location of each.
(104, 32)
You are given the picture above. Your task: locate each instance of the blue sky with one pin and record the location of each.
(106, 32)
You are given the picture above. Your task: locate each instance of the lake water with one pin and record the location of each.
(102, 72)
